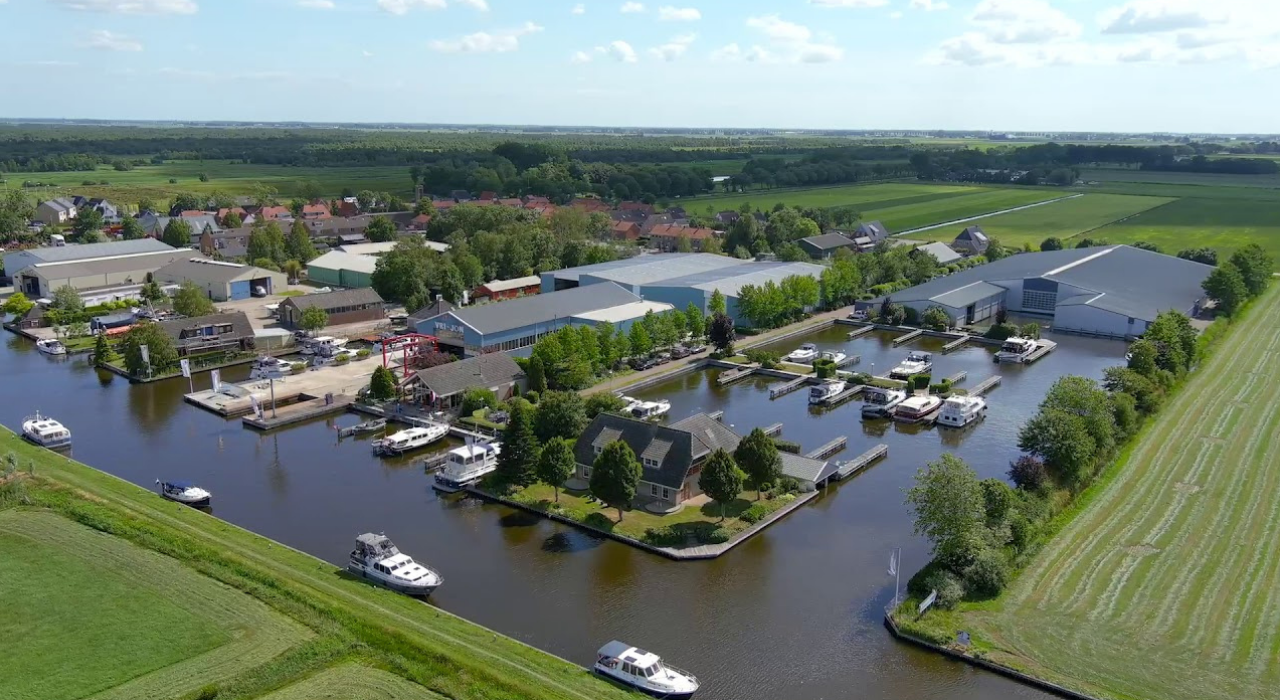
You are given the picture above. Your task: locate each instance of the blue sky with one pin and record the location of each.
(1136, 65)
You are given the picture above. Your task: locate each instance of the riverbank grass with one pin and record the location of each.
(1162, 581)
(353, 682)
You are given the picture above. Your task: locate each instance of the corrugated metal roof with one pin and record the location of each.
(732, 279)
(141, 263)
(338, 260)
(941, 252)
(625, 312)
(642, 269)
(97, 250)
(541, 308)
(968, 294)
(199, 269)
(517, 283)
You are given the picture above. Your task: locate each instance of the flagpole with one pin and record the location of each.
(897, 582)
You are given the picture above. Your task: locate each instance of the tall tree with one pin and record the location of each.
(163, 355)
(721, 479)
(758, 457)
(950, 510)
(131, 230)
(313, 319)
(177, 233)
(559, 414)
(615, 475)
(382, 385)
(1226, 286)
(537, 375)
(380, 230)
(191, 301)
(267, 242)
(721, 333)
(641, 343)
(1255, 266)
(298, 245)
(88, 220)
(716, 305)
(695, 322)
(519, 455)
(556, 463)
(67, 300)
(232, 219)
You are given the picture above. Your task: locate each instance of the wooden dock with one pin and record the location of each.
(956, 344)
(1046, 347)
(859, 332)
(908, 337)
(774, 430)
(844, 470)
(787, 388)
(986, 385)
(734, 375)
(828, 449)
(295, 413)
(849, 361)
(843, 396)
(958, 377)
(433, 462)
(716, 416)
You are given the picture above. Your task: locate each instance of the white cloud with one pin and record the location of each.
(1154, 16)
(104, 40)
(578, 9)
(1023, 21)
(401, 7)
(673, 49)
(849, 3)
(621, 51)
(367, 53)
(896, 14)
(632, 7)
(132, 7)
(930, 5)
(728, 52)
(678, 14)
(580, 57)
(503, 41)
(788, 42)
(481, 5)
(317, 4)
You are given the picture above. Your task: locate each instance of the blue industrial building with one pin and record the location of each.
(515, 325)
(680, 279)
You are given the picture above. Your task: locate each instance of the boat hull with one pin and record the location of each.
(194, 503)
(397, 587)
(60, 444)
(916, 417)
(943, 422)
(647, 691)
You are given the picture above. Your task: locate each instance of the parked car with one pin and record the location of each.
(661, 358)
(697, 349)
(640, 364)
(679, 352)
(259, 291)
(858, 315)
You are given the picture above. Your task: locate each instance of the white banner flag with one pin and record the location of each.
(257, 409)
(924, 604)
(216, 376)
(146, 356)
(186, 367)
(893, 563)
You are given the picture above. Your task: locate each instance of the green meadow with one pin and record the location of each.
(1224, 225)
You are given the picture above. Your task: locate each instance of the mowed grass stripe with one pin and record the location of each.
(248, 633)
(1225, 225)
(902, 216)
(353, 682)
(862, 196)
(1216, 557)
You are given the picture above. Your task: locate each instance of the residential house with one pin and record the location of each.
(513, 202)
(348, 207)
(245, 219)
(589, 204)
(672, 456)
(868, 234)
(442, 387)
(214, 333)
(826, 245)
(971, 241)
(273, 213)
(154, 225)
(110, 212)
(419, 222)
(940, 252)
(227, 243)
(628, 231)
(666, 237)
(498, 290)
(645, 209)
(55, 211)
(346, 306)
(728, 218)
(315, 212)
(488, 196)
(192, 213)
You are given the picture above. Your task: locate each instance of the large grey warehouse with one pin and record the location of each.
(1111, 291)
(680, 278)
(96, 270)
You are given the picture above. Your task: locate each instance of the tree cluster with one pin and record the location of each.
(1243, 277)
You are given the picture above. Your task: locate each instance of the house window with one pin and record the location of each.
(1131, 320)
(651, 463)
(598, 449)
(586, 472)
(666, 494)
(653, 489)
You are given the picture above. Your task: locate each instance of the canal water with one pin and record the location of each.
(793, 613)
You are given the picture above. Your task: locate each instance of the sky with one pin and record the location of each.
(1004, 65)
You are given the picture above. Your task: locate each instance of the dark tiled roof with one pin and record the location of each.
(238, 320)
(333, 300)
(673, 449)
(828, 241)
(493, 369)
(440, 306)
(874, 230)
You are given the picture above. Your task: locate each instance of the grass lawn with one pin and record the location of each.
(291, 293)
(868, 196)
(636, 522)
(1109, 175)
(1062, 219)
(901, 217)
(1166, 583)
(1224, 225)
(353, 682)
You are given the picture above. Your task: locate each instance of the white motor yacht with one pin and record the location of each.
(803, 354)
(410, 439)
(45, 431)
(916, 363)
(1016, 349)
(328, 358)
(644, 671)
(322, 345)
(467, 464)
(51, 346)
(184, 492)
(376, 557)
(647, 410)
(959, 411)
(878, 402)
(826, 391)
(834, 355)
(917, 408)
(267, 367)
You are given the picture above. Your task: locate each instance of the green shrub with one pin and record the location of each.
(788, 497)
(342, 359)
(362, 353)
(298, 367)
(663, 537)
(788, 485)
(767, 360)
(1002, 331)
(718, 535)
(598, 520)
(754, 514)
(919, 381)
(987, 576)
(208, 692)
(911, 317)
(787, 446)
(860, 378)
(824, 369)
(532, 397)
(942, 388)
(949, 587)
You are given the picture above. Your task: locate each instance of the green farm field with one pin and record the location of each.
(903, 217)
(1166, 584)
(117, 594)
(1224, 225)
(1062, 219)
(1109, 175)
(240, 179)
(860, 196)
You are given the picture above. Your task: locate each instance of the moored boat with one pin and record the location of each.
(1016, 350)
(959, 411)
(826, 391)
(644, 671)
(45, 431)
(410, 439)
(916, 363)
(878, 402)
(648, 410)
(376, 557)
(467, 465)
(805, 353)
(51, 346)
(267, 367)
(184, 492)
(917, 408)
(369, 426)
(834, 355)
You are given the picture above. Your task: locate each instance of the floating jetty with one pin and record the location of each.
(956, 344)
(716, 416)
(859, 332)
(734, 375)
(787, 388)
(844, 470)
(433, 462)
(305, 410)
(986, 385)
(843, 396)
(1046, 347)
(908, 337)
(828, 449)
(958, 377)
(774, 430)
